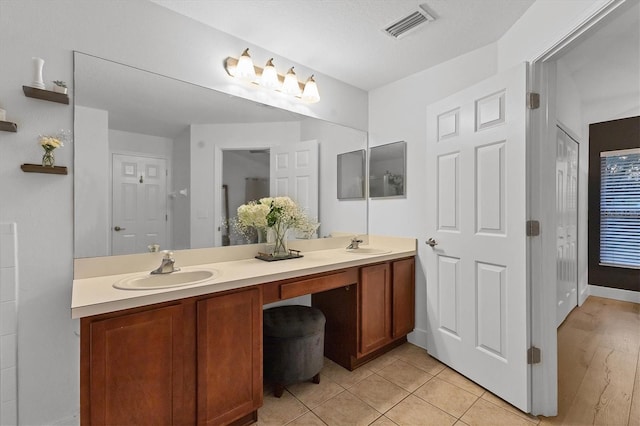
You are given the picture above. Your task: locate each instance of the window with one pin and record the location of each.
(614, 204)
(620, 208)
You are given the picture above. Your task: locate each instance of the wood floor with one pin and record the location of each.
(599, 365)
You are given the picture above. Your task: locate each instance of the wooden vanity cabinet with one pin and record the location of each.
(133, 368)
(192, 361)
(375, 307)
(229, 357)
(403, 297)
(372, 317)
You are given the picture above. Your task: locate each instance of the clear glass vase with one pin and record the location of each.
(48, 160)
(277, 240)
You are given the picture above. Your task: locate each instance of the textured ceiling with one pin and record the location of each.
(344, 38)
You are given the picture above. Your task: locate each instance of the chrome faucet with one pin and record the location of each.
(167, 265)
(355, 242)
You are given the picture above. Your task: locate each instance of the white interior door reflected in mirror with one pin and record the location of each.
(294, 173)
(139, 204)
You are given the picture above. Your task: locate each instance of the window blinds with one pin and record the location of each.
(620, 208)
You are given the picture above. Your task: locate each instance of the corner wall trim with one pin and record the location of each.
(614, 293)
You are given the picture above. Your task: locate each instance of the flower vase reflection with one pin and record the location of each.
(48, 160)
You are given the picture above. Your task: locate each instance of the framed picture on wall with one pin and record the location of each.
(351, 175)
(387, 170)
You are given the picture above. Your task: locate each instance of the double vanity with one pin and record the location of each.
(186, 347)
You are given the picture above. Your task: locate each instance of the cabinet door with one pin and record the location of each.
(136, 374)
(375, 307)
(403, 277)
(229, 336)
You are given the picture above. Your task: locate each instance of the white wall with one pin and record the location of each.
(336, 215)
(541, 27)
(568, 100)
(92, 234)
(136, 33)
(180, 205)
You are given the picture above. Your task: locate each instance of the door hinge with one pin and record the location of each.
(166, 217)
(533, 355)
(533, 228)
(533, 100)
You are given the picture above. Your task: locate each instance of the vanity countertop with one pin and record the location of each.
(93, 295)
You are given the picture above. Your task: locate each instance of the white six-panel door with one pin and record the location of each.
(294, 173)
(567, 224)
(477, 294)
(139, 204)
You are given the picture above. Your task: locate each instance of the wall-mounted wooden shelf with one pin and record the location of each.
(7, 126)
(46, 95)
(37, 168)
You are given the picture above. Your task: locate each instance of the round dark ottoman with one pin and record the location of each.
(293, 345)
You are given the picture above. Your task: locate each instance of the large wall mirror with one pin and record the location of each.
(162, 163)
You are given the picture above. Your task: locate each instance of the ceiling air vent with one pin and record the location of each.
(403, 26)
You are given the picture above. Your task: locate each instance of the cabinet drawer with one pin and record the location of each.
(318, 284)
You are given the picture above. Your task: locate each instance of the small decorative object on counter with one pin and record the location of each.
(49, 144)
(37, 82)
(60, 86)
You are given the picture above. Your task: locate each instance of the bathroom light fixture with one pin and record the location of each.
(244, 68)
(310, 93)
(291, 86)
(268, 77)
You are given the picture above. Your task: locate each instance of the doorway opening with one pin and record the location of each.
(589, 76)
(245, 177)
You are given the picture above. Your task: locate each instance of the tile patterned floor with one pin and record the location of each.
(403, 387)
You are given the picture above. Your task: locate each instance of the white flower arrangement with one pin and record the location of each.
(279, 213)
(49, 143)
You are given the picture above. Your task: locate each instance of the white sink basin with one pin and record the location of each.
(147, 281)
(368, 250)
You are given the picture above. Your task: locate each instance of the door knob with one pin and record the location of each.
(431, 242)
(117, 228)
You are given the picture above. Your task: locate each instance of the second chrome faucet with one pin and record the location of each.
(168, 264)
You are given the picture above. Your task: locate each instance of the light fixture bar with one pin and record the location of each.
(311, 96)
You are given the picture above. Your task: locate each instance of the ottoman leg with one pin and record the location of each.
(316, 379)
(277, 390)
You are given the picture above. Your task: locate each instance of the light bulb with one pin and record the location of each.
(245, 69)
(269, 78)
(310, 93)
(290, 85)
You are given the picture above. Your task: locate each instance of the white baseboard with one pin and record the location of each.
(418, 337)
(614, 293)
